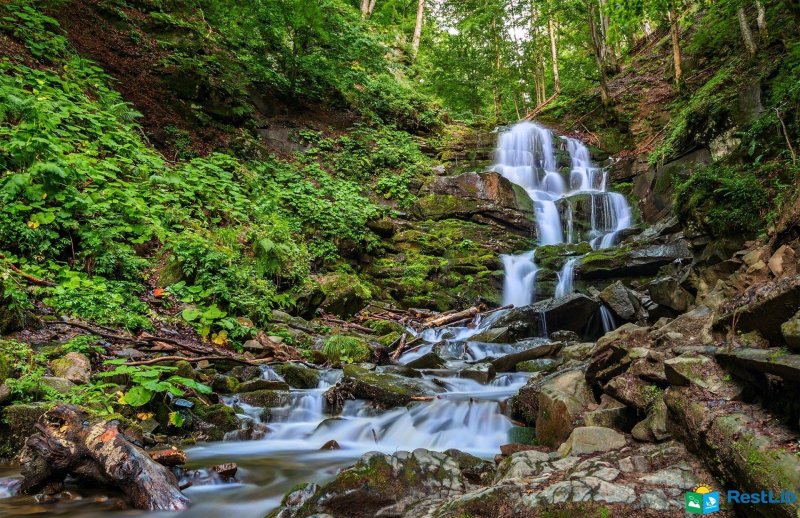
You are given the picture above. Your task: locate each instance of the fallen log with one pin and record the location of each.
(68, 442)
(195, 359)
(442, 320)
(402, 345)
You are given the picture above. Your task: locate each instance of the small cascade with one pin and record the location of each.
(607, 319)
(565, 278)
(527, 155)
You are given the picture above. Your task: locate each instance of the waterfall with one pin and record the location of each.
(565, 277)
(607, 319)
(526, 155)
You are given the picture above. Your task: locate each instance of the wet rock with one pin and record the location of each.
(17, 424)
(262, 384)
(294, 501)
(763, 308)
(565, 313)
(632, 391)
(429, 360)
(617, 298)
(482, 197)
(565, 336)
(213, 421)
(226, 471)
(380, 484)
(524, 464)
(298, 376)
(578, 351)
(552, 405)
(629, 261)
(509, 362)
(74, 367)
(480, 372)
(522, 435)
(264, 398)
(473, 469)
(330, 445)
(388, 390)
(251, 431)
(225, 384)
(169, 457)
(615, 352)
(591, 439)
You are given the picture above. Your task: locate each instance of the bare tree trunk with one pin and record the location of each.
(676, 47)
(747, 34)
(364, 7)
(418, 27)
(609, 56)
(551, 29)
(761, 21)
(598, 53)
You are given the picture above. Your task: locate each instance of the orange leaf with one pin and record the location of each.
(158, 292)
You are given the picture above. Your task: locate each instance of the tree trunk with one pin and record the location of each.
(761, 20)
(551, 29)
(418, 27)
(364, 7)
(69, 442)
(598, 53)
(675, 31)
(747, 34)
(609, 56)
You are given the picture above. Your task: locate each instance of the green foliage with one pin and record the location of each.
(345, 349)
(147, 381)
(722, 200)
(40, 33)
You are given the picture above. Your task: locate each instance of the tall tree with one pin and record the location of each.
(596, 39)
(418, 27)
(675, 33)
(551, 30)
(761, 21)
(747, 34)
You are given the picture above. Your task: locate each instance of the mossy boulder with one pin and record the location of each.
(298, 376)
(345, 294)
(213, 421)
(378, 481)
(385, 389)
(16, 425)
(264, 398)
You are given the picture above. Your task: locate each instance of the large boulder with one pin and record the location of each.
(381, 485)
(552, 405)
(667, 291)
(298, 376)
(591, 439)
(763, 308)
(509, 362)
(791, 332)
(573, 312)
(385, 389)
(631, 260)
(73, 366)
(482, 197)
(776, 362)
(621, 301)
(345, 294)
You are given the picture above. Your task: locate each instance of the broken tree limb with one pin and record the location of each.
(442, 320)
(28, 277)
(69, 443)
(349, 325)
(402, 345)
(195, 359)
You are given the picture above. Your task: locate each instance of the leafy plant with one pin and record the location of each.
(345, 349)
(146, 381)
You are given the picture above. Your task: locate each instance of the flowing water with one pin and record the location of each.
(528, 155)
(465, 414)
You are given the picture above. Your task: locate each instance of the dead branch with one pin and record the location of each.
(28, 277)
(196, 359)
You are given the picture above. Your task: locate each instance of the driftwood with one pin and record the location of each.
(195, 359)
(69, 443)
(445, 319)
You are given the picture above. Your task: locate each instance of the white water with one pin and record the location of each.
(526, 155)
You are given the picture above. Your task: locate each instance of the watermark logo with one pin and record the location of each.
(703, 500)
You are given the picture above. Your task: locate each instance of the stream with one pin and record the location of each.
(465, 414)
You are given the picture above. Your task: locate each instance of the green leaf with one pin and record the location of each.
(191, 314)
(136, 396)
(176, 419)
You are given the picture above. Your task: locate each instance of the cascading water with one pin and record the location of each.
(526, 154)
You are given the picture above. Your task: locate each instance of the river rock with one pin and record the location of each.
(630, 261)
(485, 197)
(571, 312)
(509, 362)
(480, 372)
(264, 398)
(73, 366)
(591, 439)
(653, 428)
(262, 384)
(388, 390)
(429, 360)
(540, 365)
(298, 376)
(380, 484)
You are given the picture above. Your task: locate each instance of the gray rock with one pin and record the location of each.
(767, 361)
(679, 475)
(590, 439)
(791, 332)
(73, 366)
(763, 308)
(617, 298)
(509, 362)
(60, 385)
(429, 360)
(653, 428)
(480, 372)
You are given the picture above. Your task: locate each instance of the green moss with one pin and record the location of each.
(346, 349)
(298, 376)
(17, 424)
